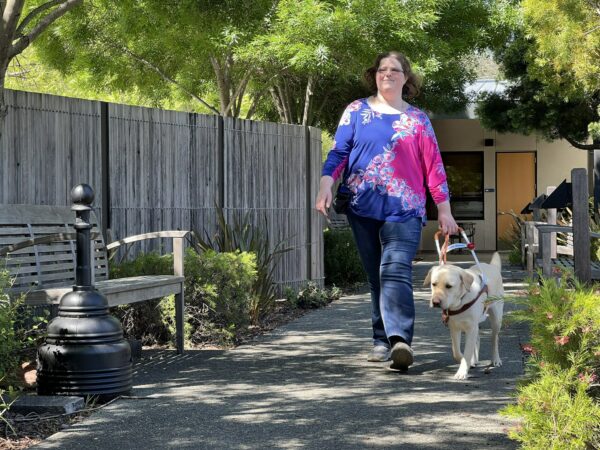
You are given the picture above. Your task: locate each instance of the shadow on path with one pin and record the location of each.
(308, 385)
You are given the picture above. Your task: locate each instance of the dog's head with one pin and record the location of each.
(448, 284)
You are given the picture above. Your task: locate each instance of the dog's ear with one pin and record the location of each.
(428, 277)
(467, 280)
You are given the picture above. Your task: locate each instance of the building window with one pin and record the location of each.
(465, 181)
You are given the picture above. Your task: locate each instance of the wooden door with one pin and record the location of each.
(515, 188)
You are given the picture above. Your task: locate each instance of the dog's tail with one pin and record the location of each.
(496, 260)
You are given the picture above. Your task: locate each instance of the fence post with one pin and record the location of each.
(581, 226)
(309, 200)
(551, 219)
(221, 160)
(105, 169)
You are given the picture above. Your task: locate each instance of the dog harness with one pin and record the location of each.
(446, 313)
(442, 251)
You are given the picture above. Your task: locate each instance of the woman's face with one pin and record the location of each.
(390, 77)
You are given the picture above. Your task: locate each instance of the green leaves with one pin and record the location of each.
(298, 60)
(552, 62)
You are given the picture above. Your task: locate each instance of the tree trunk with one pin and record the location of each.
(3, 105)
(223, 86)
(307, 100)
(278, 104)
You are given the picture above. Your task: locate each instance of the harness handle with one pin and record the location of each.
(443, 250)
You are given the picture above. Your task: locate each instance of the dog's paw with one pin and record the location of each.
(461, 375)
(496, 362)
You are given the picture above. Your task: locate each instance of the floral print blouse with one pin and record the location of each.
(386, 161)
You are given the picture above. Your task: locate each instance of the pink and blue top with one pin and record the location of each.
(386, 161)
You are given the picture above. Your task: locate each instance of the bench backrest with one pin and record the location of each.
(46, 265)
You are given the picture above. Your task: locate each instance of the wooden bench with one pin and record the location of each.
(531, 249)
(37, 245)
(584, 268)
(566, 261)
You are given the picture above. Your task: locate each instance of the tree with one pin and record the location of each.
(562, 110)
(312, 57)
(553, 68)
(161, 49)
(22, 24)
(297, 61)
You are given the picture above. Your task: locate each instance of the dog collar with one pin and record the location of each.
(446, 313)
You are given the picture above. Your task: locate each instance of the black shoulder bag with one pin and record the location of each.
(341, 201)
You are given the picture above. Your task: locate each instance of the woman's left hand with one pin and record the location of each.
(446, 221)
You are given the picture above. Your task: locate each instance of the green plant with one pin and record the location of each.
(244, 237)
(512, 239)
(555, 411)
(19, 332)
(558, 399)
(151, 263)
(144, 320)
(312, 296)
(564, 322)
(7, 397)
(219, 290)
(342, 262)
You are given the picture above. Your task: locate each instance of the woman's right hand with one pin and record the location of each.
(325, 196)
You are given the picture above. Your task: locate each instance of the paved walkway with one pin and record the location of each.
(308, 385)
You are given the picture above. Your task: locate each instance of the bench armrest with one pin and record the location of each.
(58, 237)
(176, 235)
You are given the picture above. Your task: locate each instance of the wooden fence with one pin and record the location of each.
(156, 170)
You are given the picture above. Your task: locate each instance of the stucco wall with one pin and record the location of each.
(554, 163)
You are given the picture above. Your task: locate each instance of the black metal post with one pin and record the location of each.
(84, 352)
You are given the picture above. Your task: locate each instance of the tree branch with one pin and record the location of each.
(278, 103)
(238, 92)
(165, 77)
(24, 41)
(592, 30)
(40, 9)
(580, 146)
(254, 104)
(10, 17)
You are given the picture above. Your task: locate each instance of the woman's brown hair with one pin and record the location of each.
(412, 86)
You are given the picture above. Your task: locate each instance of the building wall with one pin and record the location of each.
(554, 163)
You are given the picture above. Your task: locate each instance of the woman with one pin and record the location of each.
(387, 152)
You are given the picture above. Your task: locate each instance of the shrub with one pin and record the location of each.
(19, 332)
(218, 293)
(555, 411)
(342, 263)
(563, 322)
(241, 236)
(558, 400)
(512, 239)
(145, 320)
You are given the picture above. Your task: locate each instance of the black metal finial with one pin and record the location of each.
(82, 196)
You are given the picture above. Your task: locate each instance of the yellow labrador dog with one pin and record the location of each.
(453, 289)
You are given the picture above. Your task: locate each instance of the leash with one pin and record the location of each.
(442, 255)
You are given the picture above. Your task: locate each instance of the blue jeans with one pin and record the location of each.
(387, 250)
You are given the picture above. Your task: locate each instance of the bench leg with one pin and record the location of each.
(179, 305)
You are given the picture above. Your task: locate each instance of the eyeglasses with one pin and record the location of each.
(393, 71)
